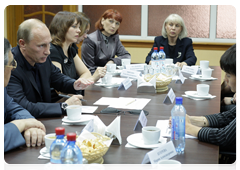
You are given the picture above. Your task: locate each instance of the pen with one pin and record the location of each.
(67, 96)
(131, 102)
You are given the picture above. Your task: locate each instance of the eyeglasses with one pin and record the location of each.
(13, 64)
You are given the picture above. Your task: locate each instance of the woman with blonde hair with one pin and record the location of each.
(175, 42)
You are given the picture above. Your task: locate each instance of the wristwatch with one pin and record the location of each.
(232, 102)
(64, 105)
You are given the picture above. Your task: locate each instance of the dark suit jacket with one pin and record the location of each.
(13, 111)
(95, 52)
(23, 88)
(183, 50)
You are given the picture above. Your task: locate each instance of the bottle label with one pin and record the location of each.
(178, 127)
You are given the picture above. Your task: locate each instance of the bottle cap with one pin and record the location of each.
(178, 100)
(161, 48)
(71, 136)
(155, 48)
(60, 130)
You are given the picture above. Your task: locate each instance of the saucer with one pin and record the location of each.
(108, 85)
(201, 78)
(195, 95)
(84, 118)
(44, 152)
(137, 141)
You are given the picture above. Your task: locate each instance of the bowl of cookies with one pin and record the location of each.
(93, 149)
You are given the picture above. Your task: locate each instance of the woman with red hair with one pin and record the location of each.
(101, 46)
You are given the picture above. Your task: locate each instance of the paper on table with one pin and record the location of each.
(166, 131)
(130, 103)
(89, 109)
(106, 101)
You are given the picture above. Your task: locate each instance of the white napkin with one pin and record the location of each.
(190, 97)
(114, 128)
(99, 126)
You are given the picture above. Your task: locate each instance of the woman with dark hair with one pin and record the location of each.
(65, 31)
(101, 46)
(218, 129)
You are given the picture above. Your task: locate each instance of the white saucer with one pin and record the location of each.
(201, 78)
(137, 140)
(84, 118)
(108, 85)
(195, 95)
(44, 152)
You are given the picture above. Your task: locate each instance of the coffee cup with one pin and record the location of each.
(151, 135)
(107, 79)
(202, 89)
(111, 68)
(169, 165)
(125, 62)
(74, 112)
(49, 138)
(204, 64)
(206, 73)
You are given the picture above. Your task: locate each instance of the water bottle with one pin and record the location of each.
(71, 154)
(57, 145)
(155, 61)
(178, 114)
(162, 57)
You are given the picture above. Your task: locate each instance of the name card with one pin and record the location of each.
(130, 73)
(169, 99)
(141, 122)
(166, 151)
(125, 84)
(182, 79)
(190, 70)
(135, 67)
(90, 126)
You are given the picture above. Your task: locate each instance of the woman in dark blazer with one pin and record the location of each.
(101, 46)
(176, 45)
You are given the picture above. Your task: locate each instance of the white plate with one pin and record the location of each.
(195, 95)
(108, 85)
(201, 78)
(137, 140)
(84, 118)
(44, 152)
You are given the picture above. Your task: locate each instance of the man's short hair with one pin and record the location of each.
(228, 60)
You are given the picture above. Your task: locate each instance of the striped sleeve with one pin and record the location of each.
(222, 131)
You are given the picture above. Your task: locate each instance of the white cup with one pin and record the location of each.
(206, 73)
(151, 135)
(49, 138)
(125, 62)
(204, 64)
(74, 112)
(203, 89)
(111, 68)
(107, 79)
(169, 164)
(168, 61)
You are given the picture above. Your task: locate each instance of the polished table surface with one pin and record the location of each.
(196, 152)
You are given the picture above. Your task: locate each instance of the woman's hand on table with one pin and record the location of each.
(181, 64)
(82, 83)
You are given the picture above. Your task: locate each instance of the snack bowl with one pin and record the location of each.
(94, 150)
(162, 81)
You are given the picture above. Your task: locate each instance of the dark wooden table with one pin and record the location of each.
(196, 152)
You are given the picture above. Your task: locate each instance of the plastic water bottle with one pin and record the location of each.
(155, 61)
(71, 153)
(57, 145)
(178, 114)
(162, 57)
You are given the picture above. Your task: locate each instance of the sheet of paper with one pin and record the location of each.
(130, 103)
(89, 109)
(166, 131)
(106, 101)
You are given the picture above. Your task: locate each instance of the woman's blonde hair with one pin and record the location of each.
(175, 18)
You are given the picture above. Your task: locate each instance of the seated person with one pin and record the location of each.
(218, 129)
(101, 46)
(176, 45)
(20, 126)
(30, 84)
(65, 31)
